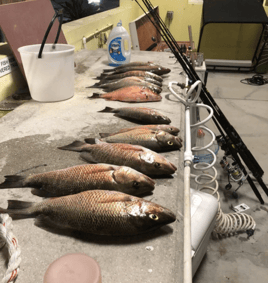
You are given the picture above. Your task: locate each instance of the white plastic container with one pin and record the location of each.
(204, 208)
(117, 55)
(50, 78)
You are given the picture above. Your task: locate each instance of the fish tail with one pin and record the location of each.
(19, 209)
(90, 140)
(108, 110)
(104, 135)
(101, 77)
(74, 146)
(12, 181)
(95, 95)
(94, 86)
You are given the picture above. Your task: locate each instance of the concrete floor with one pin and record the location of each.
(238, 258)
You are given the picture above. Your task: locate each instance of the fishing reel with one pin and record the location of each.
(235, 174)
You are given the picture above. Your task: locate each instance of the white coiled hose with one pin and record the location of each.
(226, 224)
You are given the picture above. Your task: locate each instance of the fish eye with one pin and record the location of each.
(135, 184)
(171, 129)
(157, 165)
(170, 143)
(153, 216)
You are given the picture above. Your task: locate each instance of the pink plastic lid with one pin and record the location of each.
(73, 268)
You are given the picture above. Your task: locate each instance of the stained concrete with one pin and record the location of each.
(32, 132)
(237, 258)
(30, 136)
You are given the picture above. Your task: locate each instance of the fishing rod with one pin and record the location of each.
(229, 140)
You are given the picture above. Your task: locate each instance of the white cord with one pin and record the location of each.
(7, 238)
(226, 224)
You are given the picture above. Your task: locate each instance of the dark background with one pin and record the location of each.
(77, 9)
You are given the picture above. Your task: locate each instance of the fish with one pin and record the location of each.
(131, 64)
(137, 157)
(97, 212)
(129, 94)
(127, 82)
(142, 74)
(167, 128)
(143, 115)
(155, 140)
(156, 69)
(80, 178)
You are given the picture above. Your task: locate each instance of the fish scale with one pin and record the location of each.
(140, 158)
(84, 177)
(97, 212)
(154, 140)
(87, 210)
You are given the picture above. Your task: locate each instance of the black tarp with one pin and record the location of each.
(233, 11)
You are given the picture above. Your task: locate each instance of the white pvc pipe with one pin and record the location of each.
(187, 248)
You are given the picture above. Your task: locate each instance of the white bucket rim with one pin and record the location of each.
(71, 48)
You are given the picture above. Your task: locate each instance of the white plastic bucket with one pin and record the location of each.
(50, 78)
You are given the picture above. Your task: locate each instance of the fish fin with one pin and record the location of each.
(88, 157)
(104, 135)
(90, 140)
(119, 198)
(18, 209)
(46, 223)
(94, 86)
(42, 193)
(43, 221)
(107, 70)
(74, 146)
(108, 110)
(95, 95)
(12, 181)
(125, 146)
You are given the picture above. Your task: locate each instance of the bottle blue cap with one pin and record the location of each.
(119, 24)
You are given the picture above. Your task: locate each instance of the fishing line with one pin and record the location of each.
(233, 141)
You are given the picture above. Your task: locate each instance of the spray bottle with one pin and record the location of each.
(117, 55)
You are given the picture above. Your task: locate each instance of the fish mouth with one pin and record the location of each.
(178, 141)
(170, 217)
(168, 169)
(151, 183)
(172, 168)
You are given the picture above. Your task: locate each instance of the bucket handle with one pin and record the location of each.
(58, 13)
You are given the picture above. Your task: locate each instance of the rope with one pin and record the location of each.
(7, 238)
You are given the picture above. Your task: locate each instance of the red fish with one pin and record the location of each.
(96, 212)
(129, 94)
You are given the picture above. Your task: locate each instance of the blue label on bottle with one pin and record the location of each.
(115, 50)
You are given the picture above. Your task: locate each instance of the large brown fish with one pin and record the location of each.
(153, 69)
(155, 140)
(96, 212)
(140, 114)
(142, 74)
(167, 128)
(139, 66)
(137, 157)
(103, 82)
(80, 178)
(129, 94)
(127, 82)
